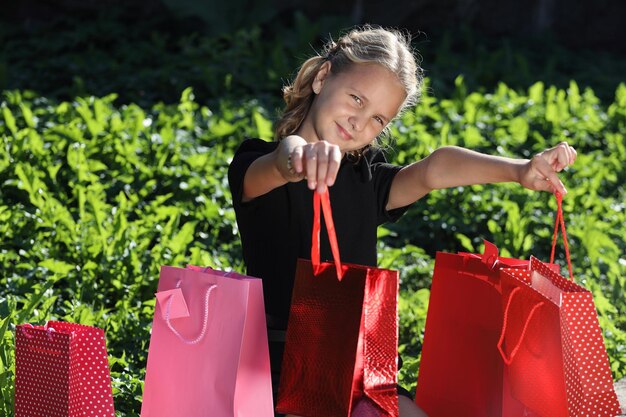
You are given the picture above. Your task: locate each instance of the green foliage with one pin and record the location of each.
(518, 221)
(223, 17)
(95, 198)
(412, 307)
(486, 60)
(154, 58)
(249, 53)
(104, 179)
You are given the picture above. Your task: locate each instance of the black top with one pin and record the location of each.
(275, 228)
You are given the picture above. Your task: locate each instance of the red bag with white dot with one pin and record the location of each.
(551, 342)
(61, 370)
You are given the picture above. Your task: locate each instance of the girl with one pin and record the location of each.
(338, 105)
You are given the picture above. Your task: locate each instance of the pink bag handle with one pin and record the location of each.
(49, 330)
(323, 199)
(205, 319)
(509, 360)
(24, 332)
(561, 222)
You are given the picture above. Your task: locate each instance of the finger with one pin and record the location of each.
(555, 157)
(333, 165)
(296, 159)
(556, 183)
(562, 160)
(322, 167)
(310, 167)
(572, 155)
(548, 174)
(566, 155)
(543, 184)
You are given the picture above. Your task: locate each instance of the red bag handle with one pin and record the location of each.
(509, 360)
(323, 199)
(561, 222)
(558, 222)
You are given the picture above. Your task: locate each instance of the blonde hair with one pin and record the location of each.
(388, 47)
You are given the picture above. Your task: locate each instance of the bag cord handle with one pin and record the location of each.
(561, 222)
(323, 199)
(205, 318)
(49, 330)
(509, 360)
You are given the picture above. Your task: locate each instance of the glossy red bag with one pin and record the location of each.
(342, 335)
(461, 373)
(552, 343)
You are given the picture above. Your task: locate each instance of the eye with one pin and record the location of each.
(357, 99)
(379, 120)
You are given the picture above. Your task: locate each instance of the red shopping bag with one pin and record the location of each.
(208, 352)
(552, 343)
(61, 370)
(461, 373)
(342, 335)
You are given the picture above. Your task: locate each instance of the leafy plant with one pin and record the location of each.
(105, 178)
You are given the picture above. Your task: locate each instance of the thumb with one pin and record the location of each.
(546, 178)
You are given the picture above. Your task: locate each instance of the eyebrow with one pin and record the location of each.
(364, 97)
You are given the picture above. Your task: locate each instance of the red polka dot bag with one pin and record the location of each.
(461, 373)
(61, 370)
(551, 342)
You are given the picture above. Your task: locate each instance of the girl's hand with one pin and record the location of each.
(540, 173)
(318, 162)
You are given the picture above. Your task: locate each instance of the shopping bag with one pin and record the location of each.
(461, 373)
(208, 354)
(61, 370)
(342, 335)
(552, 344)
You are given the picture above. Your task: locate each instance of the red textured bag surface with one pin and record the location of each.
(342, 335)
(61, 370)
(552, 343)
(461, 373)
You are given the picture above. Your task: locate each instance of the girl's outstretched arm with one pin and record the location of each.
(453, 166)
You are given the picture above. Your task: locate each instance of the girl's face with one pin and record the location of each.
(352, 108)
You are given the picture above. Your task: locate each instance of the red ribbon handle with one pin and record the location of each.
(323, 199)
(561, 222)
(508, 360)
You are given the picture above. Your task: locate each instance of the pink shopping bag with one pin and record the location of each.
(61, 370)
(208, 354)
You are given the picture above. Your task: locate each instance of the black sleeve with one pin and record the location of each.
(383, 174)
(248, 152)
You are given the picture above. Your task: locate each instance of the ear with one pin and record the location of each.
(320, 77)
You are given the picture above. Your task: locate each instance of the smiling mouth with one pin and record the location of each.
(343, 132)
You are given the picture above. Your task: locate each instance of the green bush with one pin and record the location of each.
(520, 222)
(96, 196)
(109, 170)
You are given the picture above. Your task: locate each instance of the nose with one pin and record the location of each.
(356, 122)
